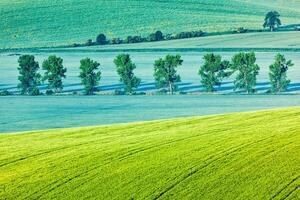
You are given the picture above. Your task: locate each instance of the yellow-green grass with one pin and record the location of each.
(251, 155)
(36, 23)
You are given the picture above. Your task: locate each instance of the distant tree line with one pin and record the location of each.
(101, 39)
(212, 73)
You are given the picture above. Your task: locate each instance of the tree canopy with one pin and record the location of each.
(101, 39)
(247, 71)
(90, 75)
(272, 20)
(165, 72)
(213, 71)
(125, 69)
(29, 77)
(55, 72)
(278, 73)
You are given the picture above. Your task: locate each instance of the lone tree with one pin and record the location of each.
(101, 39)
(278, 73)
(244, 63)
(213, 71)
(125, 69)
(272, 20)
(165, 72)
(29, 77)
(90, 76)
(55, 72)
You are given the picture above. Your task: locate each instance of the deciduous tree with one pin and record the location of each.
(125, 69)
(278, 73)
(272, 20)
(55, 72)
(90, 75)
(247, 71)
(213, 71)
(29, 77)
(165, 72)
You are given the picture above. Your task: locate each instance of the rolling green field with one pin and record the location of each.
(251, 155)
(36, 23)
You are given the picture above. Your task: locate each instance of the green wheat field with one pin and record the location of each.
(252, 155)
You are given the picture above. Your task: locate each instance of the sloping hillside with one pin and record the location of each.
(31, 23)
(237, 156)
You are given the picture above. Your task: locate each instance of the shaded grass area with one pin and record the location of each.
(251, 155)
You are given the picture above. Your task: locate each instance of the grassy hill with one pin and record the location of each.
(237, 156)
(31, 23)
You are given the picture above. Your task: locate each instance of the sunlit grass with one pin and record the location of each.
(251, 155)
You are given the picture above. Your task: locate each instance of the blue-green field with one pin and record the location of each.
(36, 113)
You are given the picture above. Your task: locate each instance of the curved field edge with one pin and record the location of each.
(253, 155)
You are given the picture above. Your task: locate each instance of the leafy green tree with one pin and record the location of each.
(90, 76)
(165, 72)
(272, 20)
(125, 69)
(278, 73)
(244, 64)
(101, 39)
(29, 77)
(213, 71)
(55, 72)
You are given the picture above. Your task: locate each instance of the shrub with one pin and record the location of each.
(241, 30)
(191, 34)
(116, 41)
(5, 93)
(49, 92)
(157, 36)
(101, 39)
(89, 42)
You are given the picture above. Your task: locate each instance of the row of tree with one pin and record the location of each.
(213, 71)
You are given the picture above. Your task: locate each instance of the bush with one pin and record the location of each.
(190, 34)
(89, 42)
(157, 36)
(134, 39)
(116, 41)
(49, 92)
(119, 92)
(241, 30)
(75, 45)
(297, 28)
(169, 37)
(5, 93)
(101, 39)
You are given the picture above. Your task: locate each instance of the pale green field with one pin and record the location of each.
(237, 156)
(36, 23)
(257, 41)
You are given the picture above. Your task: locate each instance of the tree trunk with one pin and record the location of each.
(170, 88)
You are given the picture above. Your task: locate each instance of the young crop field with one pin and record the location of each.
(35, 23)
(235, 156)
